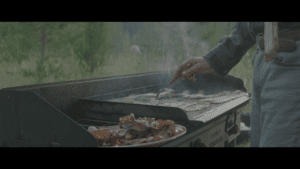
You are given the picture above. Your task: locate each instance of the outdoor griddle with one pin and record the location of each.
(58, 114)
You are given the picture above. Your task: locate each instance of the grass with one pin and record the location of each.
(246, 144)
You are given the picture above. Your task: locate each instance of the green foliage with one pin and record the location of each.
(82, 50)
(212, 32)
(246, 144)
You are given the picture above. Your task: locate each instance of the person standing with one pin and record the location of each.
(275, 108)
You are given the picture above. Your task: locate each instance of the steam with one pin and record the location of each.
(193, 46)
(186, 36)
(175, 29)
(173, 35)
(182, 27)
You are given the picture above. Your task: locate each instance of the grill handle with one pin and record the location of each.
(234, 130)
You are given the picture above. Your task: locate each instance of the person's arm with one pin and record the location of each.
(230, 49)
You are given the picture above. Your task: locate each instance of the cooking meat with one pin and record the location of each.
(125, 142)
(172, 133)
(108, 136)
(152, 97)
(166, 94)
(92, 128)
(157, 138)
(149, 139)
(164, 123)
(128, 136)
(135, 131)
(102, 136)
(143, 140)
(127, 121)
(118, 143)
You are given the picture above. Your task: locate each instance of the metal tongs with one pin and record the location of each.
(156, 97)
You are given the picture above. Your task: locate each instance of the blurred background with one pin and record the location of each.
(43, 52)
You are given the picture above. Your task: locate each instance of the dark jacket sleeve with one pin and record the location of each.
(231, 49)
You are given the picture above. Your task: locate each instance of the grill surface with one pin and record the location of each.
(86, 102)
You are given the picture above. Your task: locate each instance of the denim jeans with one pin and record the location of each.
(275, 109)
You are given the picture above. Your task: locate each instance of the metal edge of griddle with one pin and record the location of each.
(190, 135)
(215, 119)
(211, 114)
(203, 118)
(122, 93)
(80, 113)
(218, 113)
(57, 84)
(63, 94)
(112, 111)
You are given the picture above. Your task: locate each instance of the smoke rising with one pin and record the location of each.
(179, 40)
(175, 43)
(187, 36)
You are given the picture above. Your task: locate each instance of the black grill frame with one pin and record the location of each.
(62, 96)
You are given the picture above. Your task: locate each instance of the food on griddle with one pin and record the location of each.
(135, 131)
(148, 98)
(150, 139)
(166, 94)
(102, 136)
(128, 136)
(107, 136)
(185, 100)
(129, 119)
(157, 138)
(147, 126)
(92, 128)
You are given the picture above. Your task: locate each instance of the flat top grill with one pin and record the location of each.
(87, 103)
(193, 105)
(96, 108)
